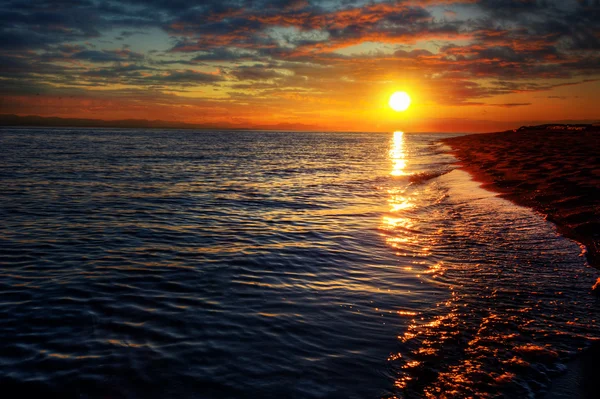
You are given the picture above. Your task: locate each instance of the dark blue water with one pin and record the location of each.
(183, 264)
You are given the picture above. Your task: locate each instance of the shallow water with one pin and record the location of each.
(148, 263)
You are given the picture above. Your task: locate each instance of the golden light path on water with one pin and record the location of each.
(398, 155)
(398, 201)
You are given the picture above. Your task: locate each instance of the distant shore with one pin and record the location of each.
(9, 120)
(554, 170)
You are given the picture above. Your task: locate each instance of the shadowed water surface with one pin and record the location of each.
(249, 264)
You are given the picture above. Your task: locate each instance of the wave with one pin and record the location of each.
(424, 176)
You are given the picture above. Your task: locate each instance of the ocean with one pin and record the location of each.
(209, 264)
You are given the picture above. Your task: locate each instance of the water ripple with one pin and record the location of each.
(252, 264)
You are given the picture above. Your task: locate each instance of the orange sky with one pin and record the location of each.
(468, 65)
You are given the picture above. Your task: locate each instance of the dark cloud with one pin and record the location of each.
(510, 8)
(187, 77)
(413, 53)
(226, 54)
(511, 105)
(107, 56)
(256, 72)
(128, 71)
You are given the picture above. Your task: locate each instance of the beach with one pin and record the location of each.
(555, 172)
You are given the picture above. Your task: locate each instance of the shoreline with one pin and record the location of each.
(580, 378)
(556, 173)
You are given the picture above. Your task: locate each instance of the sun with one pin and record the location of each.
(399, 101)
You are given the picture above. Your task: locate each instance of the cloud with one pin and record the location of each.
(225, 54)
(107, 56)
(510, 105)
(256, 72)
(186, 77)
(462, 52)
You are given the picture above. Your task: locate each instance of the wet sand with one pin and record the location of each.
(557, 173)
(580, 379)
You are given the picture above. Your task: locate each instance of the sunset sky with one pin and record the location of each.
(472, 65)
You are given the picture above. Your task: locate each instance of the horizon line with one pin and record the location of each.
(33, 121)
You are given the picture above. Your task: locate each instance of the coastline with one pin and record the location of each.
(556, 173)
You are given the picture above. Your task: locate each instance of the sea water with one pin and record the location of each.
(209, 264)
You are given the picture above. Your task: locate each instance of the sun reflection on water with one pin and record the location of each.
(397, 154)
(395, 222)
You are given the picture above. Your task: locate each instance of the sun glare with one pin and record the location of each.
(399, 101)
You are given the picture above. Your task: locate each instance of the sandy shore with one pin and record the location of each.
(557, 173)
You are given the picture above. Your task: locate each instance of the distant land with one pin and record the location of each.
(34, 120)
(575, 127)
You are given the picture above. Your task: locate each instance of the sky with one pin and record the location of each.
(468, 65)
